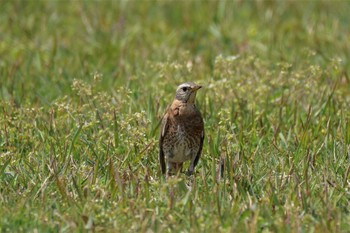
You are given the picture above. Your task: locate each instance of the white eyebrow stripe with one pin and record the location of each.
(184, 85)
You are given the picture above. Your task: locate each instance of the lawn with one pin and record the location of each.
(84, 85)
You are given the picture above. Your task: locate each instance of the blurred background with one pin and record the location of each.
(44, 45)
(84, 85)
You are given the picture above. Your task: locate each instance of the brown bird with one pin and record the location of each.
(182, 131)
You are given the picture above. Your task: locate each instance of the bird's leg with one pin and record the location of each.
(191, 167)
(171, 168)
(174, 168)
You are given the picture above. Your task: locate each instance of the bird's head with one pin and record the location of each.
(186, 92)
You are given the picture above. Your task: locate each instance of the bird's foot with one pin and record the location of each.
(189, 173)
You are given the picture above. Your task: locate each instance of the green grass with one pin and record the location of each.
(83, 87)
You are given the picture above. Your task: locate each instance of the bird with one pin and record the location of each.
(182, 132)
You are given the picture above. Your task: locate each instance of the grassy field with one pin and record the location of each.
(83, 86)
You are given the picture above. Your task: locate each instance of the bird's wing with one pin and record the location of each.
(200, 148)
(163, 130)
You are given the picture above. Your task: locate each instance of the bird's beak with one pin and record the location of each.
(196, 88)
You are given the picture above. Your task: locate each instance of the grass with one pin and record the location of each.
(84, 85)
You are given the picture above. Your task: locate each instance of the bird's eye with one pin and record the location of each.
(184, 89)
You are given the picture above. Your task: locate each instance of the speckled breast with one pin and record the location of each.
(180, 145)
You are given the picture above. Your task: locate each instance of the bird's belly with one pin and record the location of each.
(181, 152)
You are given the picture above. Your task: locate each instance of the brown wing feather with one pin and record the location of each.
(200, 150)
(163, 130)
